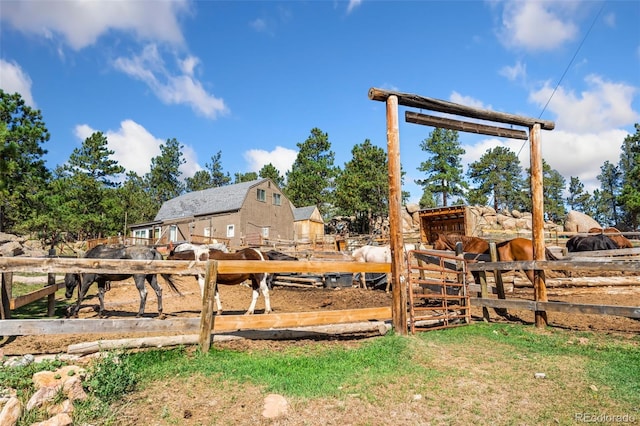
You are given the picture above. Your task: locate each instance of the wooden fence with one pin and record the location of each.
(207, 324)
(626, 261)
(622, 260)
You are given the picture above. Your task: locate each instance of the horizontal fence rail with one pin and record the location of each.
(180, 267)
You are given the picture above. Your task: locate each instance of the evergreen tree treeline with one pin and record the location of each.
(91, 195)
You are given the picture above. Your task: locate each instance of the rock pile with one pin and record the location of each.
(55, 393)
(486, 218)
(13, 245)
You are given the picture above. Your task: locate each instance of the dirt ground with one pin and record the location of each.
(206, 401)
(122, 300)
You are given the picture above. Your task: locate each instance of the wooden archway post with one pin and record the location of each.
(399, 292)
(537, 222)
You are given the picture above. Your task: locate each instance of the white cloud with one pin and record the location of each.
(604, 106)
(259, 25)
(517, 72)
(134, 147)
(571, 154)
(537, 25)
(80, 23)
(610, 20)
(281, 158)
(353, 4)
(168, 87)
(13, 79)
(457, 98)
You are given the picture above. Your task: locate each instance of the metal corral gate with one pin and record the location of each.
(437, 289)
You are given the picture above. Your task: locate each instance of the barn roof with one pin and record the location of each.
(303, 213)
(213, 200)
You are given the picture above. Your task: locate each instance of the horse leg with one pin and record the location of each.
(363, 280)
(254, 299)
(101, 291)
(218, 303)
(139, 280)
(388, 283)
(201, 283)
(153, 282)
(265, 292)
(82, 291)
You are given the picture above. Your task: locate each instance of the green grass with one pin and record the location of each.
(437, 364)
(613, 362)
(308, 372)
(38, 308)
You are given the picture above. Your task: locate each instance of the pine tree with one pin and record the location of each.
(578, 198)
(270, 171)
(444, 167)
(630, 168)
(23, 171)
(499, 176)
(311, 179)
(163, 180)
(362, 187)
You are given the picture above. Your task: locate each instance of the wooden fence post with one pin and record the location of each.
(51, 280)
(460, 278)
(208, 299)
(6, 282)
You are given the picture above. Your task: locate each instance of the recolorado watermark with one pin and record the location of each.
(604, 418)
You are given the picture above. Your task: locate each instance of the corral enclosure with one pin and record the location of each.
(596, 288)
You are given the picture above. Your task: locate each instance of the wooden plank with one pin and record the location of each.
(222, 323)
(192, 339)
(574, 308)
(464, 126)
(528, 305)
(102, 266)
(25, 299)
(415, 101)
(560, 265)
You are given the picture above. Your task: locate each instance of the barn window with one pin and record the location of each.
(265, 232)
(231, 230)
(173, 233)
(262, 195)
(276, 199)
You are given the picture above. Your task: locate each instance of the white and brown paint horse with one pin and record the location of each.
(258, 280)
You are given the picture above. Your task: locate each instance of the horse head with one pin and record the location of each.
(70, 282)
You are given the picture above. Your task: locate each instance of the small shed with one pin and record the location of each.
(308, 223)
(445, 219)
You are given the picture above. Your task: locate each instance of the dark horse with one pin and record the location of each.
(590, 243)
(258, 280)
(507, 251)
(116, 252)
(277, 255)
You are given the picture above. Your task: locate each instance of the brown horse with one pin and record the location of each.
(615, 235)
(507, 251)
(258, 280)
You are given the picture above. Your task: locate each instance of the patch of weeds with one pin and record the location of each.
(111, 377)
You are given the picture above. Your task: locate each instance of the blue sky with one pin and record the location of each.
(252, 78)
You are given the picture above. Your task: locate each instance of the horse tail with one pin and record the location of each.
(167, 277)
(172, 285)
(550, 255)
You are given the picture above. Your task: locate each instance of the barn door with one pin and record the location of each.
(438, 291)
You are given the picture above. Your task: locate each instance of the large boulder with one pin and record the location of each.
(579, 222)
